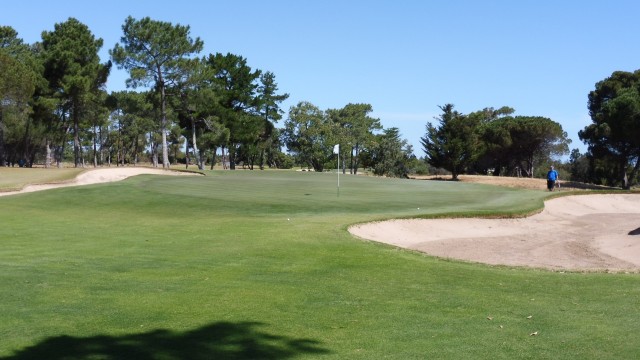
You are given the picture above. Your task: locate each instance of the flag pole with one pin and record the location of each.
(338, 174)
(336, 150)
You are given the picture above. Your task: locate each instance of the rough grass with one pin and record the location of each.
(14, 178)
(247, 265)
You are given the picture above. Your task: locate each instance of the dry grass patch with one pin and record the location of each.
(514, 182)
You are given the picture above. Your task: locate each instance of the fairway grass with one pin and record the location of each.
(259, 265)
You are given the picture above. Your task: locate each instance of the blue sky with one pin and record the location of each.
(405, 58)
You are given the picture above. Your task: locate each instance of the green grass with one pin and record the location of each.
(259, 265)
(14, 178)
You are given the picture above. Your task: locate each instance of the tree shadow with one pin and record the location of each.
(222, 340)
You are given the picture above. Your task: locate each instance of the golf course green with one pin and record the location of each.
(259, 265)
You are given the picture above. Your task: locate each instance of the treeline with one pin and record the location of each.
(311, 134)
(493, 142)
(613, 156)
(54, 108)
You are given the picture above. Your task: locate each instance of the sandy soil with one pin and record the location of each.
(514, 182)
(585, 233)
(101, 175)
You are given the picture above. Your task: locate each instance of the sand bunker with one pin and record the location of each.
(586, 232)
(100, 175)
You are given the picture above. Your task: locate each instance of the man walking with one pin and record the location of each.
(552, 177)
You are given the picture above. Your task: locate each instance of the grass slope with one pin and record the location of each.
(258, 265)
(13, 178)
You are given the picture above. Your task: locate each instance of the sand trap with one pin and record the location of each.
(586, 232)
(101, 175)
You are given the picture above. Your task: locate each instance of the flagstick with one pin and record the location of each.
(338, 173)
(336, 151)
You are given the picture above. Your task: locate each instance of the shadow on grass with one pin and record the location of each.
(222, 340)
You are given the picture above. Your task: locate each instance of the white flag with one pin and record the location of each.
(336, 149)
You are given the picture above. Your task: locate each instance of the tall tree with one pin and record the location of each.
(453, 144)
(390, 154)
(10, 42)
(535, 139)
(74, 71)
(579, 166)
(614, 107)
(268, 98)
(154, 53)
(269, 108)
(31, 119)
(196, 104)
(492, 158)
(133, 117)
(354, 131)
(216, 136)
(305, 133)
(518, 143)
(238, 101)
(99, 120)
(17, 86)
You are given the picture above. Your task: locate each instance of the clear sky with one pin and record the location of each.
(405, 58)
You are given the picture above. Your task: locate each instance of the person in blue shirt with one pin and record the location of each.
(552, 178)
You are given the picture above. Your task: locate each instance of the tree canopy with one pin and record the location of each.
(453, 144)
(354, 130)
(614, 107)
(16, 88)
(73, 69)
(490, 140)
(193, 108)
(390, 154)
(154, 52)
(305, 133)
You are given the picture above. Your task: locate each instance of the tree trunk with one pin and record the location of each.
(154, 150)
(262, 155)
(76, 135)
(317, 165)
(60, 154)
(627, 181)
(119, 144)
(213, 158)
(101, 160)
(25, 144)
(47, 159)
(351, 163)
(186, 156)
(530, 167)
(194, 142)
(2, 154)
(232, 157)
(95, 146)
(175, 154)
(59, 150)
(224, 158)
(135, 150)
(356, 160)
(163, 101)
